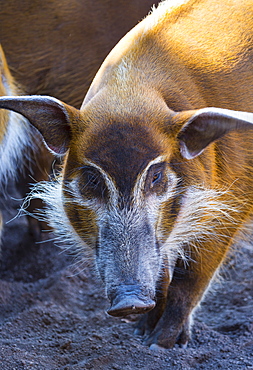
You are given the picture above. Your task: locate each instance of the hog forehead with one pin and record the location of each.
(123, 151)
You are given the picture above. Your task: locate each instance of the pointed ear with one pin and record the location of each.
(202, 127)
(54, 119)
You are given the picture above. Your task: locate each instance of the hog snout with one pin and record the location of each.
(128, 300)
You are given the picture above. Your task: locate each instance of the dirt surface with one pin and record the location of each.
(53, 317)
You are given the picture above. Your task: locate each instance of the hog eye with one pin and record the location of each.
(92, 180)
(156, 181)
(156, 178)
(91, 183)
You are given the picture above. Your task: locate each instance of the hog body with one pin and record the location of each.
(57, 47)
(156, 182)
(15, 132)
(14, 129)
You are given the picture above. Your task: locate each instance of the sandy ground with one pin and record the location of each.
(52, 317)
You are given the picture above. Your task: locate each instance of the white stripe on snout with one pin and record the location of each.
(112, 189)
(138, 195)
(140, 182)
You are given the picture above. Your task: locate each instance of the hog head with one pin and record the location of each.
(119, 188)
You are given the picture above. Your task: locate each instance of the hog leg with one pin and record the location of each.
(184, 293)
(149, 320)
(173, 326)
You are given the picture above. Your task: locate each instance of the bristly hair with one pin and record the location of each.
(201, 212)
(50, 192)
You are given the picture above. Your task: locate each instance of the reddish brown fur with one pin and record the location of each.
(56, 47)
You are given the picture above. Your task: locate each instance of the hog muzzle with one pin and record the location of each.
(127, 300)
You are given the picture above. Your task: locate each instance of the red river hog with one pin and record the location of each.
(157, 175)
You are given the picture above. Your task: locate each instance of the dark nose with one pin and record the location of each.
(127, 302)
